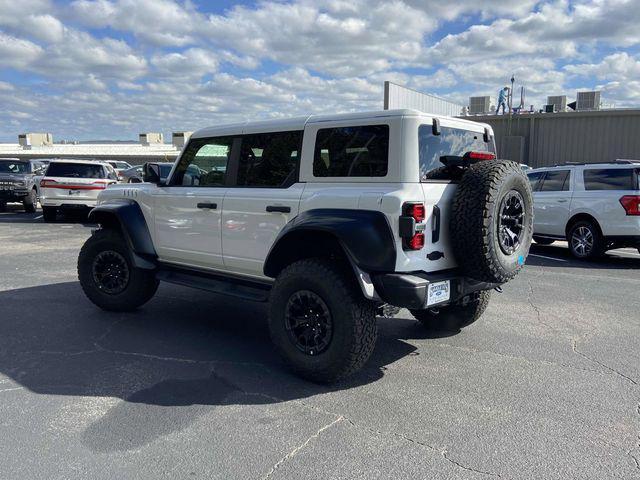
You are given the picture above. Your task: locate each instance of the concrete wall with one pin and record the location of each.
(397, 96)
(553, 138)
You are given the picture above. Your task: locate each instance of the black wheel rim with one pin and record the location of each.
(511, 222)
(582, 241)
(308, 322)
(110, 272)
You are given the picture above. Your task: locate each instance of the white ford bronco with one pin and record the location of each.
(327, 218)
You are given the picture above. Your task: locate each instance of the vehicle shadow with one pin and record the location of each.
(185, 349)
(559, 257)
(14, 213)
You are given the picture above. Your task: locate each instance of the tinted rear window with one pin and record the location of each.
(451, 141)
(556, 181)
(610, 179)
(361, 151)
(75, 170)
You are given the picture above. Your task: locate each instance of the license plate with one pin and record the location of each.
(439, 292)
(74, 192)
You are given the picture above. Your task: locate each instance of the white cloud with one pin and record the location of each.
(618, 66)
(17, 53)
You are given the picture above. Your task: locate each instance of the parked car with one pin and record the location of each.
(120, 167)
(70, 185)
(139, 175)
(595, 207)
(132, 175)
(328, 219)
(18, 182)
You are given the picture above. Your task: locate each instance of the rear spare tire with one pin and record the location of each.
(492, 221)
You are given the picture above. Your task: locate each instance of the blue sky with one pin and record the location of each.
(103, 69)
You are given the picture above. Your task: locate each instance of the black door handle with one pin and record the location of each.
(211, 206)
(278, 208)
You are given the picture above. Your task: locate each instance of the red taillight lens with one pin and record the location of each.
(481, 155)
(47, 183)
(631, 204)
(415, 210)
(416, 242)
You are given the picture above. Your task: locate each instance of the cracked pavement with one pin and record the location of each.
(544, 386)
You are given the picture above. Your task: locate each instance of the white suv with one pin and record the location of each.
(595, 207)
(328, 218)
(72, 185)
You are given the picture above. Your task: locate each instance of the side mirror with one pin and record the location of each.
(151, 173)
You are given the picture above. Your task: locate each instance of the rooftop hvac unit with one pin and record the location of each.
(588, 101)
(479, 105)
(151, 138)
(179, 139)
(559, 102)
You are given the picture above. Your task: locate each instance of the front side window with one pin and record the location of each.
(204, 163)
(451, 141)
(534, 179)
(75, 170)
(556, 181)
(359, 151)
(610, 179)
(269, 159)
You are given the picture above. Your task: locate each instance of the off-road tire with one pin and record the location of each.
(352, 317)
(599, 246)
(141, 285)
(49, 214)
(476, 212)
(456, 316)
(543, 240)
(30, 201)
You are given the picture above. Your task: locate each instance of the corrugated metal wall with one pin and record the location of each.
(396, 96)
(554, 138)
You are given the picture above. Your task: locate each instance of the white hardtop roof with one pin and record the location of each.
(298, 123)
(104, 163)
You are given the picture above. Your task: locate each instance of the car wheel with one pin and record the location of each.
(543, 240)
(320, 322)
(454, 317)
(491, 223)
(107, 274)
(585, 240)
(49, 214)
(29, 203)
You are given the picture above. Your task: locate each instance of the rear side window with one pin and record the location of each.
(610, 179)
(451, 141)
(556, 181)
(75, 170)
(269, 159)
(534, 180)
(361, 151)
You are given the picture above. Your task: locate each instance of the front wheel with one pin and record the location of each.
(108, 277)
(29, 203)
(320, 322)
(456, 316)
(585, 240)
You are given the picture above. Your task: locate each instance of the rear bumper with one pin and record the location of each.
(409, 290)
(64, 203)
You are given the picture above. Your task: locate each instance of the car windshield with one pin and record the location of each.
(75, 170)
(120, 165)
(11, 166)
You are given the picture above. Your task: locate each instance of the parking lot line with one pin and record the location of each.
(548, 258)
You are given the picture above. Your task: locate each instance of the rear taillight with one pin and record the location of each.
(411, 228)
(44, 183)
(631, 204)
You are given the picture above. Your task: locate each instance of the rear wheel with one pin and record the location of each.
(585, 240)
(319, 321)
(543, 240)
(49, 214)
(457, 316)
(107, 274)
(29, 203)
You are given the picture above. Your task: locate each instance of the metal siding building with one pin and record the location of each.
(544, 139)
(398, 97)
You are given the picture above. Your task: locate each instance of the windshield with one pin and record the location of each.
(75, 170)
(11, 166)
(120, 165)
(451, 141)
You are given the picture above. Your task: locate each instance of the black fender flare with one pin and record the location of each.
(364, 235)
(128, 216)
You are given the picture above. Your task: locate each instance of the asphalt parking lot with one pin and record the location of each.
(544, 386)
